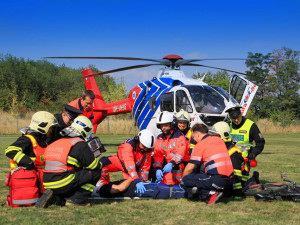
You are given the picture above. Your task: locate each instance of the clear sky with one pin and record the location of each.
(148, 29)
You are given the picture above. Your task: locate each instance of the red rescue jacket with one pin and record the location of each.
(174, 148)
(134, 162)
(85, 112)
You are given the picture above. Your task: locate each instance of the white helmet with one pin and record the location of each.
(164, 117)
(83, 126)
(183, 116)
(223, 129)
(42, 121)
(147, 138)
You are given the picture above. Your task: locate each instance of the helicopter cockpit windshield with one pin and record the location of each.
(206, 99)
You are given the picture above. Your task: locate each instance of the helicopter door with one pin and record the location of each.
(183, 102)
(243, 91)
(167, 102)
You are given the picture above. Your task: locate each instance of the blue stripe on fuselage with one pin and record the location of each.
(141, 110)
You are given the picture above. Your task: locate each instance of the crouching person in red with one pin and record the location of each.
(210, 151)
(172, 148)
(71, 169)
(133, 159)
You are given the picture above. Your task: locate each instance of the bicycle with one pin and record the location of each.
(274, 191)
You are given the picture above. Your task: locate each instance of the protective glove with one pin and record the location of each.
(251, 156)
(140, 188)
(159, 175)
(30, 166)
(167, 168)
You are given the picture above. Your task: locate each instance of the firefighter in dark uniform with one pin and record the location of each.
(71, 169)
(239, 163)
(27, 151)
(64, 120)
(245, 132)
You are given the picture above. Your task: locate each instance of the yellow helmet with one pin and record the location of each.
(83, 126)
(42, 121)
(183, 116)
(222, 129)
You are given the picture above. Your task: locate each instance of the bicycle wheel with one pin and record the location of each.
(265, 189)
(292, 194)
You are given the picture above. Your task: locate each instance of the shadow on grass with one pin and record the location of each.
(110, 201)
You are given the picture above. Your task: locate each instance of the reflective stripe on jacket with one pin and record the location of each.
(38, 151)
(212, 152)
(174, 148)
(56, 156)
(134, 162)
(190, 140)
(234, 149)
(238, 171)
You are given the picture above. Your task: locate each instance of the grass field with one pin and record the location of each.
(281, 154)
(11, 124)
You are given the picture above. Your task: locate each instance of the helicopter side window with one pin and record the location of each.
(152, 103)
(167, 102)
(237, 88)
(182, 102)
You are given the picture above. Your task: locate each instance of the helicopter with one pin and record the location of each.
(171, 90)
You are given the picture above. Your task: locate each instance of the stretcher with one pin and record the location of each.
(153, 191)
(118, 198)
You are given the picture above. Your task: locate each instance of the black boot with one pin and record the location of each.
(45, 200)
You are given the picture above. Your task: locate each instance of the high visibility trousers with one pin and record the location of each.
(80, 188)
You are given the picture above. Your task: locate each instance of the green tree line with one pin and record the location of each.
(28, 85)
(277, 75)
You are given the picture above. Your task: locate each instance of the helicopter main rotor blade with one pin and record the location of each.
(183, 62)
(218, 68)
(121, 69)
(118, 58)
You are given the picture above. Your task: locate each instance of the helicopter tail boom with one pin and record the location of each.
(102, 109)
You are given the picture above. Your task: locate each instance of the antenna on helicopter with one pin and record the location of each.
(203, 77)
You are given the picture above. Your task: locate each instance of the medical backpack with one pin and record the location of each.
(25, 187)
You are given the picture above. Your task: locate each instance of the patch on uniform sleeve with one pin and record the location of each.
(260, 135)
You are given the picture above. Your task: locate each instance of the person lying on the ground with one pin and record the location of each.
(127, 188)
